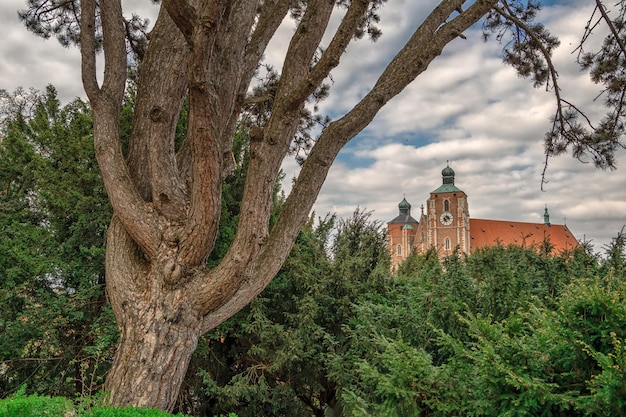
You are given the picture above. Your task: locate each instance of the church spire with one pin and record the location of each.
(546, 216)
(448, 174)
(404, 207)
(447, 185)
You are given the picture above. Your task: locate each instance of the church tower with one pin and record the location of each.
(401, 233)
(445, 227)
(447, 216)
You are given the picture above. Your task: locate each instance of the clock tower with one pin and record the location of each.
(445, 228)
(447, 217)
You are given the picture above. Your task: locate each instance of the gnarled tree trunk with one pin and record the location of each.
(158, 330)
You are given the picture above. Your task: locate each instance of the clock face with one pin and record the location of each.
(446, 219)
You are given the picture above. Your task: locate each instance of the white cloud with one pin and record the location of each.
(490, 124)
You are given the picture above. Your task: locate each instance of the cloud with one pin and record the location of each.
(475, 112)
(467, 108)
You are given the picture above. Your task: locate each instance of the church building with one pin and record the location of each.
(446, 226)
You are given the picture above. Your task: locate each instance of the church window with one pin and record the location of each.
(446, 243)
(446, 205)
(423, 236)
(399, 250)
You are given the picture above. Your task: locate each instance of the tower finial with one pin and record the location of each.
(546, 216)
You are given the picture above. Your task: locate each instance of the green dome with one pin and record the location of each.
(448, 181)
(447, 172)
(404, 204)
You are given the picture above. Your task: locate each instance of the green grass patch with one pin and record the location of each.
(36, 406)
(21, 405)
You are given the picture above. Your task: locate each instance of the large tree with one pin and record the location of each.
(166, 197)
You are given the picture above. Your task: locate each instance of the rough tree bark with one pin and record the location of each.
(167, 202)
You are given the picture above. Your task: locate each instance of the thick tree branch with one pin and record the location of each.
(330, 58)
(230, 65)
(300, 53)
(114, 44)
(160, 96)
(270, 17)
(204, 133)
(268, 153)
(183, 14)
(226, 31)
(88, 50)
(137, 217)
(425, 45)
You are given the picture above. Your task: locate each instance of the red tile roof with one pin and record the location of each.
(491, 232)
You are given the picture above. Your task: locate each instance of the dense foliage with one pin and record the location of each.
(20, 405)
(56, 332)
(504, 331)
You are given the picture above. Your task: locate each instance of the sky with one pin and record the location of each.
(468, 110)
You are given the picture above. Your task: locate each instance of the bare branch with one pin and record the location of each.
(353, 18)
(114, 44)
(138, 218)
(302, 48)
(611, 26)
(88, 50)
(269, 19)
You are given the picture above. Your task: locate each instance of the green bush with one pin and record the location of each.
(20, 405)
(126, 412)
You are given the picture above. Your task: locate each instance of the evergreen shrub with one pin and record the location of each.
(21, 405)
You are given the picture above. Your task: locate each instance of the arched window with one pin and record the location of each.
(446, 205)
(446, 243)
(399, 250)
(423, 237)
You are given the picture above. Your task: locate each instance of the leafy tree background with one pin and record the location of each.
(168, 196)
(56, 330)
(504, 331)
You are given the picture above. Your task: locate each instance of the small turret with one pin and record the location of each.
(447, 185)
(404, 207)
(404, 213)
(448, 175)
(546, 216)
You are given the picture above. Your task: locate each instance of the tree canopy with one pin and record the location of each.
(197, 68)
(505, 330)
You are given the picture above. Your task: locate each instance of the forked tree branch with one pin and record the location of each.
(331, 56)
(160, 96)
(138, 218)
(268, 152)
(88, 50)
(425, 45)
